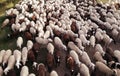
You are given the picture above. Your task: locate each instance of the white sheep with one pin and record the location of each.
(99, 48)
(32, 30)
(23, 27)
(17, 55)
(75, 57)
(42, 40)
(98, 36)
(117, 54)
(19, 42)
(58, 42)
(92, 41)
(24, 71)
(107, 39)
(115, 33)
(1, 71)
(72, 46)
(24, 55)
(79, 43)
(6, 56)
(32, 74)
(104, 68)
(29, 44)
(51, 31)
(84, 40)
(71, 33)
(6, 21)
(46, 34)
(11, 62)
(98, 57)
(86, 60)
(50, 48)
(53, 73)
(84, 70)
(15, 27)
(2, 53)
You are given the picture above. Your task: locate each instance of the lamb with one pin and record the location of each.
(84, 71)
(10, 65)
(58, 42)
(19, 42)
(24, 71)
(75, 57)
(1, 71)
(92, 41)
(104, 69)
(117, 54)
(53, 73)
(99, 48)
(79, 43)
(72, 46)
(2, 53)
(50, 48)
(84, 40)
(24, 54)
(6, 56)
(86, 60)
(98, 57)
(29, 44)
(17, 55)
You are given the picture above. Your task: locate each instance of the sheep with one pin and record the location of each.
(22, 27)
(24, 54)
(117, 54)
(84, 71)
(41, 70)
(50, 48)
(11, 62)
(99, 48)
(107, 39)
(19, 42)
(5, 22)
(71, 33)
(86, 60)
(42, 40)
(6, 56)
(57, 56)
(84, 40)
(1, 71)
(32, 30)
(97, 56)
(75, 57)
(58, 42)
(29, 44)
(98, 36)
(72, 46)
(53, 73)
(15, 27)
(92, 41)
(32, 74)
(46, 34)
(17, 55)
(104, 69)
(24, 71)
(79, 43)
(51, 31)
(2, 53)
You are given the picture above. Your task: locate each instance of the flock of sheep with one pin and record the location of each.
(62, 26)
